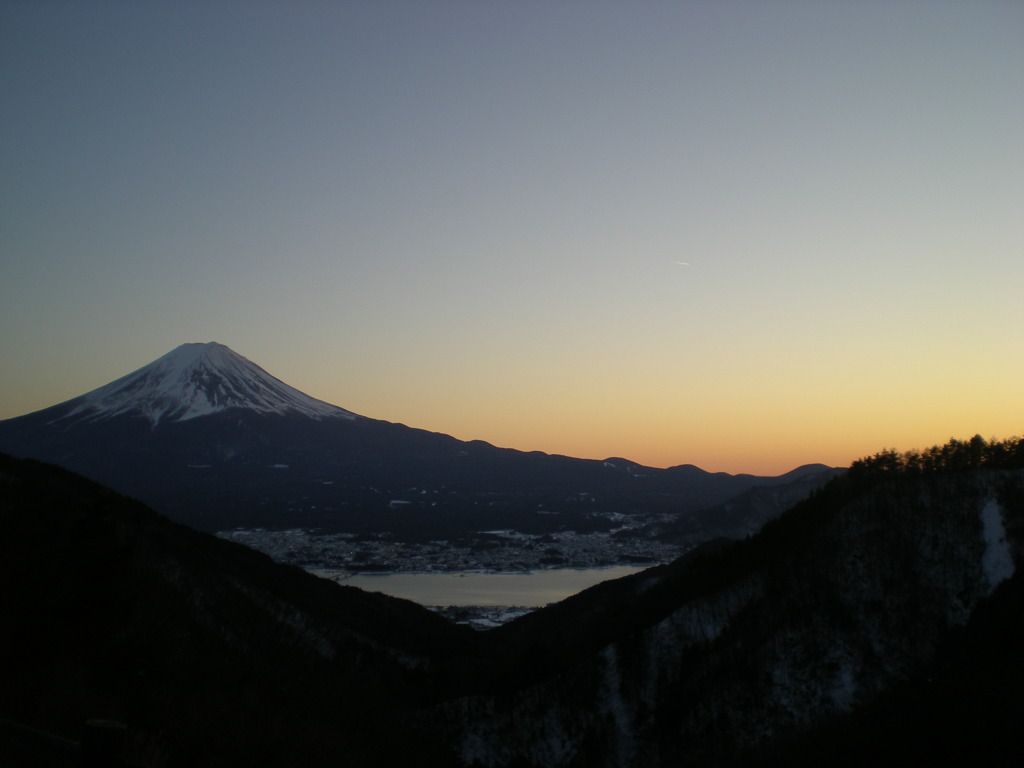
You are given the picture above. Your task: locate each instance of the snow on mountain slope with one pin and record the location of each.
(196, 380)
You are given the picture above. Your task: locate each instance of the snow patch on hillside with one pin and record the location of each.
(615, 705)
(997, 560)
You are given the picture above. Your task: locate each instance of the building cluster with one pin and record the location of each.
(503, 551)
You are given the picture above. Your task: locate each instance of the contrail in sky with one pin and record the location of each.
(683, 263)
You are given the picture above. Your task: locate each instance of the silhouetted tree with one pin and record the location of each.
(953, 456)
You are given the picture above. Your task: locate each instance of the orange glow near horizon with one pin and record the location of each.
(733, 434)
(717, 234)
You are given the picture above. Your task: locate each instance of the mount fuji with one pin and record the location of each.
(210, 439)
(195, 380)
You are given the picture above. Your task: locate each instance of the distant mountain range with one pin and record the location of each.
(878, 622)
(211, 439)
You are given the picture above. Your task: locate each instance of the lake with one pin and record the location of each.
(532, 589)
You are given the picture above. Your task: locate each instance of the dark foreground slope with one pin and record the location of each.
(881, 618)
(211, 653)
(874, 618)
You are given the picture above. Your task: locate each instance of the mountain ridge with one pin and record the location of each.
(211, 439)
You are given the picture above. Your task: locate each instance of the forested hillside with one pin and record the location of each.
(892, 575)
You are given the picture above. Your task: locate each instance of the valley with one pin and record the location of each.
(881, 613)
(773, 608)
(340, 556)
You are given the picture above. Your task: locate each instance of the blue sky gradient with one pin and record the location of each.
(467, 217)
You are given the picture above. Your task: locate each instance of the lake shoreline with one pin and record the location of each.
(478, 588)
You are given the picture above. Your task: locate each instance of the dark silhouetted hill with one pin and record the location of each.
(876, 618)
(209, 652)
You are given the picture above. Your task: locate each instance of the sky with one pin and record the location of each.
(742, 235)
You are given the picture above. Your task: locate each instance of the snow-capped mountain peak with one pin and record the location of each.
(197, 380)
